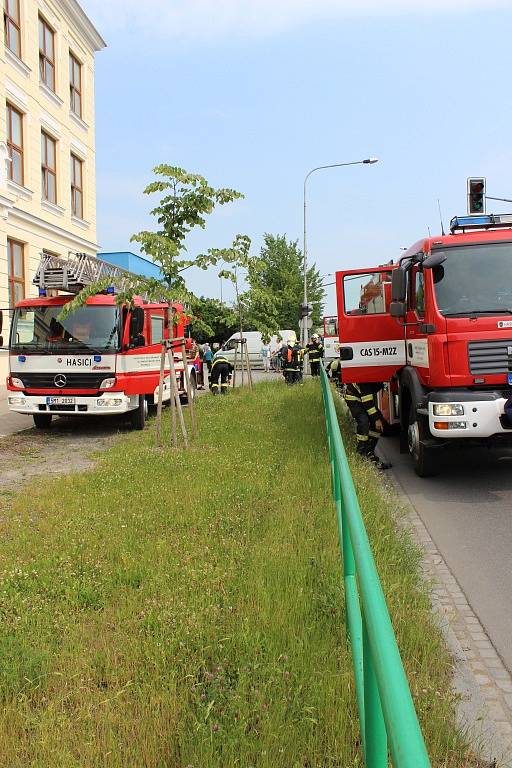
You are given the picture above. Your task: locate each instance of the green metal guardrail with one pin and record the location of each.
(386, 709)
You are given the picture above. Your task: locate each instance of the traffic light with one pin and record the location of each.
(305, 310)
(476, 196)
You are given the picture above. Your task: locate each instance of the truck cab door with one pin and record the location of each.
(372, 343)
(417, 340)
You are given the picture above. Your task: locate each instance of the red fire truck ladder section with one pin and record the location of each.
(78, 271)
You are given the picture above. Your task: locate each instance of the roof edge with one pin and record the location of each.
(84, 24)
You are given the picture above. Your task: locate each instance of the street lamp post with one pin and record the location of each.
(368, 161)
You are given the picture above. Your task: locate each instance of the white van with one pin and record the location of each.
(254, 344)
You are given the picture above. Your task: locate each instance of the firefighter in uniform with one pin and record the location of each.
(221, 369)
(333, 370)
(315, 350)
(292, 358)
(361, 402)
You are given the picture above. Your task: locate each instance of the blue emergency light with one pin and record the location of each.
(486, 221)
(42, 291)
(110, 290)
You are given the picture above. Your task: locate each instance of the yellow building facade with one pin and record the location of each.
(47, 142)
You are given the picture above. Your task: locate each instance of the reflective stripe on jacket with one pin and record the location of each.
(315, 351)
(365, 395)
(220, 359)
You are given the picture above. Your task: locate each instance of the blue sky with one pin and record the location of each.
(254, 93)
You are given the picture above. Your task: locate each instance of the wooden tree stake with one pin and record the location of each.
(160, 397)
(176, 397)
(188, 385)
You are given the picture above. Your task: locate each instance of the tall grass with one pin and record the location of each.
(177, 610)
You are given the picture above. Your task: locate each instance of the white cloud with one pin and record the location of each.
(212, 19)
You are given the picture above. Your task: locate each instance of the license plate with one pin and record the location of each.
(60, 401)
(510, 379)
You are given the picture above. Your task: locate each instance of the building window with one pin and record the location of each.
(12, 30)
(14, 124)
(77, 200)
(15, 271)
(75, 85)
(46, 54)
(48, 168)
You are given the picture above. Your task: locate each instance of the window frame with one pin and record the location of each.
(9, 108)
(358, 311)
(73, 60)
(44, 59)
(16, 23)
(13, 279)
(74, 187)
(47, 169)
(160, 317)
(417, 277)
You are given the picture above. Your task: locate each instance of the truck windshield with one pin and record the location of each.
(89, 329)
(475, 280)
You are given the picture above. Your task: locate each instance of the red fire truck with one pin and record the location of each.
(102, 359)
(331, 338)
(437, 328)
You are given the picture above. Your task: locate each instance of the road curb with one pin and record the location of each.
(480, 678)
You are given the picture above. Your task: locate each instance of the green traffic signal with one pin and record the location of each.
(476, 195)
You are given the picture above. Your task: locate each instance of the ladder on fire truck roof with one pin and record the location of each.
(78, 271)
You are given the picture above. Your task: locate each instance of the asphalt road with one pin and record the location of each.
(10, 422)
(468, 512)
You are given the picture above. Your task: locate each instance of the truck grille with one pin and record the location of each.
(73, 380)
(489, 356)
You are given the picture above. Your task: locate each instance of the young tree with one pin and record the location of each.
(187, 199)
(277, 284)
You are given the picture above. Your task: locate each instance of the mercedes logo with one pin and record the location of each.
(60, 380)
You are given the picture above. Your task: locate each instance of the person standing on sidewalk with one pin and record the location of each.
(291, 358)
(265, 356)
(315, 350)
(208, 357)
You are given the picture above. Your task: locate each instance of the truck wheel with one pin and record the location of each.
(42, 420)
(425, 460)
(138, 415)
(193, 390)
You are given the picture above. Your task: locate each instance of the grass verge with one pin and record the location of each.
(172, 610)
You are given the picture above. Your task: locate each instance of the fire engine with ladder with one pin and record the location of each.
(102, 359)
(437, 328)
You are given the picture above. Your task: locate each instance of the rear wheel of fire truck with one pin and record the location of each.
(193, 390)
(425, 459)
(138, 415)
(42, 420)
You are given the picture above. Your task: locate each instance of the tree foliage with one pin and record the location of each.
(187, 199)
(212, 320)
(276, 285)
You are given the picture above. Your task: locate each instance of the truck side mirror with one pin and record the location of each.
(346, 353)
(136, 322)
(433, 260)
(398, 285)
(397, 309)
